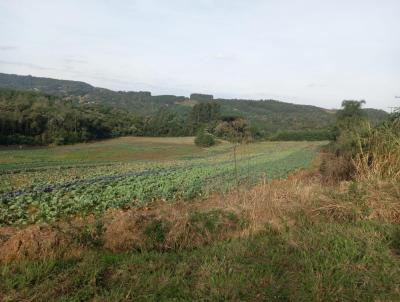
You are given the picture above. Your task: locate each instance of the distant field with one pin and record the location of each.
(43, 184)
(118, 149)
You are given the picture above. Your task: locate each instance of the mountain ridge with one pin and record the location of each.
(268, 115)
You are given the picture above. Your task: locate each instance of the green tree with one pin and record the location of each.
(351, 117)
(234, 129)
(352, 125)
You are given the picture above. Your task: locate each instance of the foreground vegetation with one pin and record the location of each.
(329, 232)
(285, 240)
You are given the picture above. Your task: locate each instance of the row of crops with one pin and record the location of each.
(131, 184)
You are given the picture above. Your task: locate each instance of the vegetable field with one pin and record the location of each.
(45, 184)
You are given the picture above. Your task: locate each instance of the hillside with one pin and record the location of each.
(268, 115)
(51, 86)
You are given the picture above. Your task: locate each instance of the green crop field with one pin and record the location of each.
(44, 184)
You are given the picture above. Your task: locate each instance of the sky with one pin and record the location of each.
(316, 52)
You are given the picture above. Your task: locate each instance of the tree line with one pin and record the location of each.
(34, 118)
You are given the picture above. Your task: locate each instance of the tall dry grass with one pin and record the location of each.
(378, 157)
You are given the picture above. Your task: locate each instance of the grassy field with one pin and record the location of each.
(92, 226)
(118, 149)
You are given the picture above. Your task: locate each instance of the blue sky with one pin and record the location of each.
(310, 51)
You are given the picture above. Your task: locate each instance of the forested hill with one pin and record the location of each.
(46, 85)
(268, 115)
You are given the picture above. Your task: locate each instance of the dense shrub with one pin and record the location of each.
(204, 139)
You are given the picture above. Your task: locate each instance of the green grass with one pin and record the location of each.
(118, 149)
(312, 261)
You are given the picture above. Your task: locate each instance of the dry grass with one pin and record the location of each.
(125, 230)
(128, 229)
(384, 200)
(335, 169)
(379, 155)
(32, 242)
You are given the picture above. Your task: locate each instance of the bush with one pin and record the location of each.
(204, 139)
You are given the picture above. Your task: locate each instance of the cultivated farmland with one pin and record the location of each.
(45, 184)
